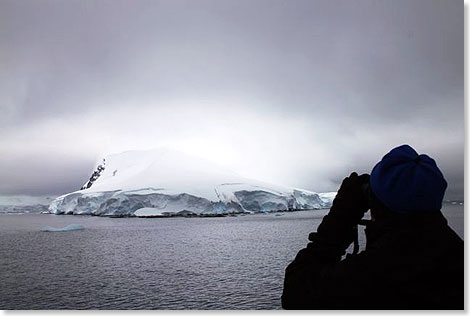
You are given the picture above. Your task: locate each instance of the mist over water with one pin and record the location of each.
(169, 263)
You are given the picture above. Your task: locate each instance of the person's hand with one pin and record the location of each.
(350, 203)
(338, 229)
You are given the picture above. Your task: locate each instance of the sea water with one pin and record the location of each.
(163, 263)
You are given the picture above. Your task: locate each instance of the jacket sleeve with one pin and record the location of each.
(308, 275)
(319, 279)
(317, 276)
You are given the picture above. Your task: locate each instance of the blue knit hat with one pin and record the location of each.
(407, 182)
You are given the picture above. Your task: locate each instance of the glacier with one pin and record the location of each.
(19, 204)
(166, 182)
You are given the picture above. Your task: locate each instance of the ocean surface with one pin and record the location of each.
(161, 263)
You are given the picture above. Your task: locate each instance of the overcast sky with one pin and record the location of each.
(294, 92)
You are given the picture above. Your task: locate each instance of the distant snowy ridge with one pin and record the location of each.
(164, 182)
(24, 204)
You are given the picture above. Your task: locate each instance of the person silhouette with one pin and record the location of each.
(412, 258)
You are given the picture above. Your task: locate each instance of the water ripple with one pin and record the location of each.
(132, 263)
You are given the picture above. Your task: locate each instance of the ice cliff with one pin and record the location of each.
(164, 182)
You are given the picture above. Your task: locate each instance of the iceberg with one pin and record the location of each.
(165, 182)
(67, 228)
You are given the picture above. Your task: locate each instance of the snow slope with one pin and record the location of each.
(164, 182)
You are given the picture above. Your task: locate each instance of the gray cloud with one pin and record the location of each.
(294, 92)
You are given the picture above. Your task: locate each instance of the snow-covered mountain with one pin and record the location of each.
(167, 182)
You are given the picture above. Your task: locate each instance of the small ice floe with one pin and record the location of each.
(67, 228)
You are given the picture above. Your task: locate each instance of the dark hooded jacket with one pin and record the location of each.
(410, 262)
